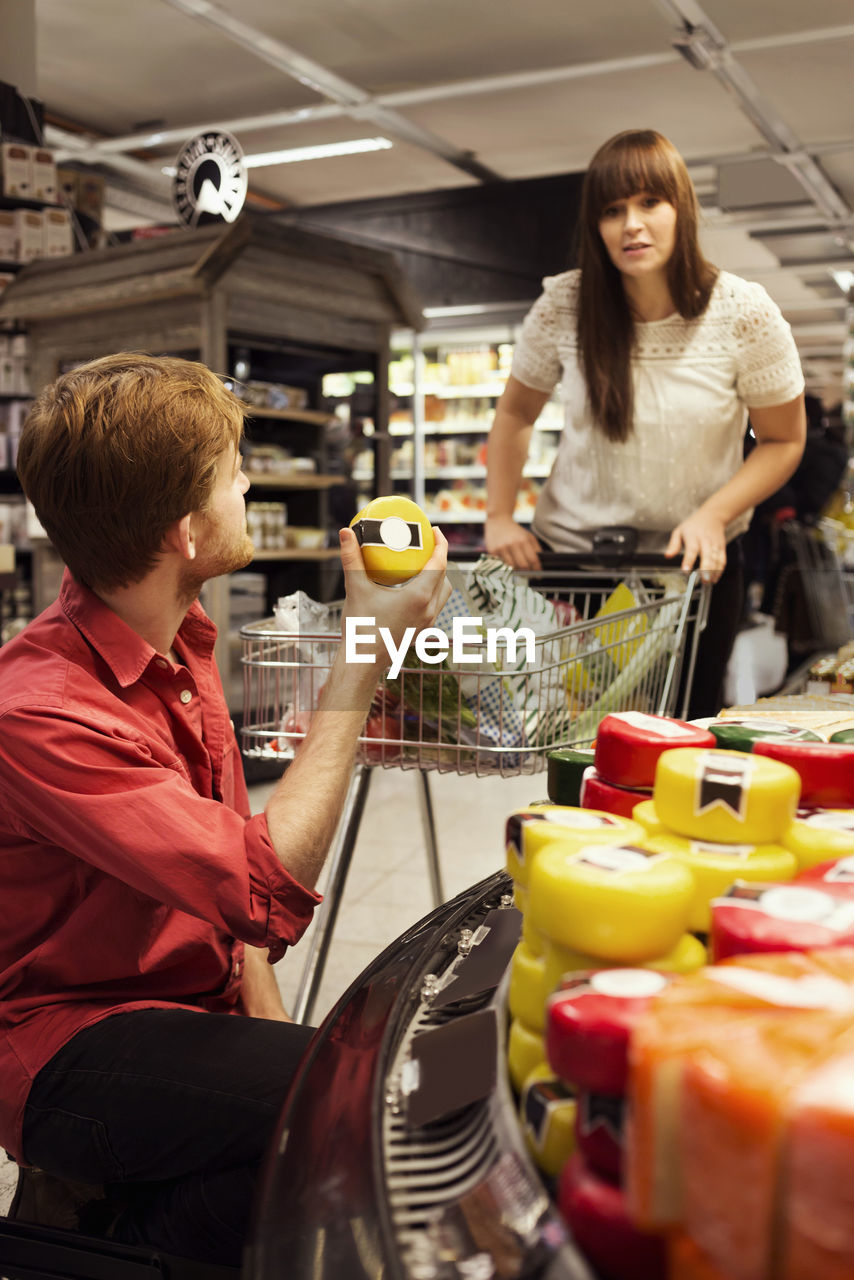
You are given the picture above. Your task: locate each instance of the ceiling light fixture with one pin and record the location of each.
(321, 152)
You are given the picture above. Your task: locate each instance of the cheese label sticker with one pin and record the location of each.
(601, 1111)
(654, 724)
(393, 532)
(842, 872)
(628, 983)
(618, 859)
(723, 781)
(830, 819)
(814, 991)
(541, 1098)
(710, 849)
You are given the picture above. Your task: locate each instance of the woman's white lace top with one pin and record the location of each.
(694, 381)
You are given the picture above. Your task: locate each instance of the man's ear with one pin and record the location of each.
(181, 537)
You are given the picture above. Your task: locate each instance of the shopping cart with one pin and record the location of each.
(610, 636)
(824, 560)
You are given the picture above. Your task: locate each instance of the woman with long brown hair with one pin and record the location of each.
(660, 356)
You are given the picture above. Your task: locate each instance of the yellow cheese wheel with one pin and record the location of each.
(820, 836)
(536, 826)
(645, 815)
(526, 994)
(526, 1049)
(618, 902)
(716, 866)
(547, 1109)
(396, 539)
(725, 796)
(688, 955)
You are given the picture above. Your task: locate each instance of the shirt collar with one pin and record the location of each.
(123, 649)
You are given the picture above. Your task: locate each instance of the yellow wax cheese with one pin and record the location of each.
(547, 1109)
(530, 829)
(820, 836)
(716, 866)
(526, 1049)
(396, 538)
(526, 994)
(619, 902)
(646, 815)
(725, 796)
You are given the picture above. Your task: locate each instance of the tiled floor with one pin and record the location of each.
(387, 888)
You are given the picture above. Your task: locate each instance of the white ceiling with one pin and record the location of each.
(464, 88)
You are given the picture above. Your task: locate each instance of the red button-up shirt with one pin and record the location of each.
(131, 873)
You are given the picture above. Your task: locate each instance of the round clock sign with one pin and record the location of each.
(210, 179)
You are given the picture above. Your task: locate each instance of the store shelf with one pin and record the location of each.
(474, 428)
(444, 391)
(473, 472)
(293, 480)
(315, 416)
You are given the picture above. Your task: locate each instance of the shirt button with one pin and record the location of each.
(161, 662)
(186, 696)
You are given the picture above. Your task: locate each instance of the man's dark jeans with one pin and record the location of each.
(173, 1108)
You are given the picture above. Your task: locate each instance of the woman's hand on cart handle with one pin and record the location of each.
(516, 546)
(702, 540)
(414, 604)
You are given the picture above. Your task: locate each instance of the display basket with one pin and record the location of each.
(607, 638)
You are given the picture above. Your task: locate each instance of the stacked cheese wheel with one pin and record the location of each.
(588, 1032)
(740, 1133)
(721, 815)
(628, 745)
(528, 833)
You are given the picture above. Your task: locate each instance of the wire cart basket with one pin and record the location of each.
(616, 637)
(824, 555)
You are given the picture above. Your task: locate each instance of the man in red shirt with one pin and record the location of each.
(141, 902)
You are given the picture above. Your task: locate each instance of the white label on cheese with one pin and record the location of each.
(618, 859)
(810, 992)
(831, 819)
(653, 724)
(583, 819)
(628, 982)
(797, 904)
(718, 850)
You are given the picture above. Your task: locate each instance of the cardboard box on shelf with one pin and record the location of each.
(66, 187)
(58, 236)
(90, 195)
(43, 175)
(8, 236)
(29, 234)
(16, 170)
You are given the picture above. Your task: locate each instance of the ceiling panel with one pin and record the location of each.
(811, 87)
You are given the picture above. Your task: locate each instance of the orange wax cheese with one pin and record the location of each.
(725, 796)
(628, 744)
(616, 901)
(530, 829)
(396, 538)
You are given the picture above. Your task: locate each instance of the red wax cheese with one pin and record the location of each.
(589, 1023)
(752, 918)
(596, 1213)
(628, 744)
(598, 793)
(826, 769)
(599, 1133)
(837, 875)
